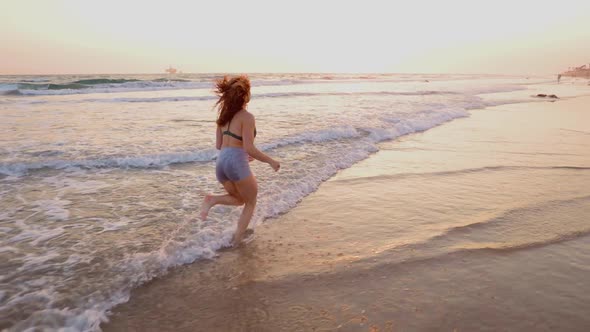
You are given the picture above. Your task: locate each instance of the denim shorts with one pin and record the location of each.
(232, 165)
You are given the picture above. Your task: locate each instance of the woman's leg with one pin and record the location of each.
(231, 198)
(248, 190)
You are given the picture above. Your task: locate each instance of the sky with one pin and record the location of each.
(453, 36)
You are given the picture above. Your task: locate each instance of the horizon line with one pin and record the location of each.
(287, 72)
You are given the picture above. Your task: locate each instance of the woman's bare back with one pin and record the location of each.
(232, 131)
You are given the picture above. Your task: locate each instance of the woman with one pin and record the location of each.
(236, 130)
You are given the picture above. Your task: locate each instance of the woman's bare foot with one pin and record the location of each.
(207, 204)
(245, 238)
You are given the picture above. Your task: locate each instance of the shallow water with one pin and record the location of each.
(99, 186)
(480, 224)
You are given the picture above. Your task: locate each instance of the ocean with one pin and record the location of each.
(102, 176)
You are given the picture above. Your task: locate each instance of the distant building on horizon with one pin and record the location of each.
(582, 71)
(171, 70)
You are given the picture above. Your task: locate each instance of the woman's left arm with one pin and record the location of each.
(218, 138)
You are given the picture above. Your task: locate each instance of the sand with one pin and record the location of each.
(479, 224)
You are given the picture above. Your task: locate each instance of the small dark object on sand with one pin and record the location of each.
(542, 95)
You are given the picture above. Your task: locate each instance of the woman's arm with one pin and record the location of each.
(218, 138)
(248, 126)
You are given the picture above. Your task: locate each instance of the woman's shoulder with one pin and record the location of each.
(244, 115)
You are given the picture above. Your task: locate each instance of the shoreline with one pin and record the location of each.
(264, 282)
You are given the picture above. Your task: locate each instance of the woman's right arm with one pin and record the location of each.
(248, 126)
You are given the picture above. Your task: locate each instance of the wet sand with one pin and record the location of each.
(480, 224)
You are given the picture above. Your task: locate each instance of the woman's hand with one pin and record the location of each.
(275, 165)
(250, 158)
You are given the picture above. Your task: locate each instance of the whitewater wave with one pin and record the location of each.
(260, 95)
(165, 159)
(147, 161)
(419, 122)
(473, 105)
(106, 85)
(80, 88)
(113, 85)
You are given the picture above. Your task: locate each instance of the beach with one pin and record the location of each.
(423, 167)
(477, 225)
(404, 201)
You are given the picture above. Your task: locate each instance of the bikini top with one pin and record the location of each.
(229, 133)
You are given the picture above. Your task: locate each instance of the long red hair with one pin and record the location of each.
(234, 94)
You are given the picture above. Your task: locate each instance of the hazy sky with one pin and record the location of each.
(451, 36)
